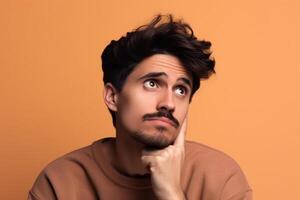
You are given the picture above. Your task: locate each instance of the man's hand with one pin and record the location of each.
(165, 167)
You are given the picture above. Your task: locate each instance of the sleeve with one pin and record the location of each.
(236, 187)
(42, 189)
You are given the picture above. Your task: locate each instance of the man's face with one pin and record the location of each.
(154, 101)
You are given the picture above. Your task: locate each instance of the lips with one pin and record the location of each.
(163, 119)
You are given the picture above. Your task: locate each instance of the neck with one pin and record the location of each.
(127, 155)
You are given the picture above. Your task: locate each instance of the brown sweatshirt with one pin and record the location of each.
(86, 174)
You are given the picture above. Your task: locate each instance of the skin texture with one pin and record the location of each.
(147, 142)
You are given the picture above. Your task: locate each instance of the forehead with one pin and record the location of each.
(161, 63)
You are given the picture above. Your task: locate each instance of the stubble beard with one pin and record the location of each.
(153, 141)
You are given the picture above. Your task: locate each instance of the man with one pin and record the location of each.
(150, 77)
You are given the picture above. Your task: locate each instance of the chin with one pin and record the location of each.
(157, 140)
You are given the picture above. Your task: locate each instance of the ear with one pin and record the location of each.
(110, 96)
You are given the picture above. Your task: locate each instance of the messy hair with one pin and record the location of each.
(163, 35)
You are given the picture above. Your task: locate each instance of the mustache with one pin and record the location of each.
(161, 113)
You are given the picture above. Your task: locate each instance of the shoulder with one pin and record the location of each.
(84, 157)
(65, 164)
(66, 172)
(218, 171)
(209, 157)
(70, 161)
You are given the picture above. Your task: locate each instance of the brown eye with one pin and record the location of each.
(150, 84)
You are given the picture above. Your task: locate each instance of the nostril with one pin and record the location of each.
(166, 110)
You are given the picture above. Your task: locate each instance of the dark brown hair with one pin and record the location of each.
(162, 35)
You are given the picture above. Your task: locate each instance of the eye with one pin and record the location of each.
(150, 84)
(181, 91)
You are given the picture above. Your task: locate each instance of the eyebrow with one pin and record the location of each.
(186, 81)
(158, 74)
(153, 75)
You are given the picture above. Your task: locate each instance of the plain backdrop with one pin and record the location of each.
(51, 84)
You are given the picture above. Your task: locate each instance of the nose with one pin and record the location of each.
(166, 101)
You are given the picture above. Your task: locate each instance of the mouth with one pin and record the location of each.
(163, 120)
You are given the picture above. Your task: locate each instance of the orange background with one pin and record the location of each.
(51, 84)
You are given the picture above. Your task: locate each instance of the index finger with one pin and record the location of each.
(181, 135)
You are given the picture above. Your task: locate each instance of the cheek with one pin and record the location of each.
(181, 112)
(134, 107)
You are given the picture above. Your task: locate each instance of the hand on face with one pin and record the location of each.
(165, 166)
